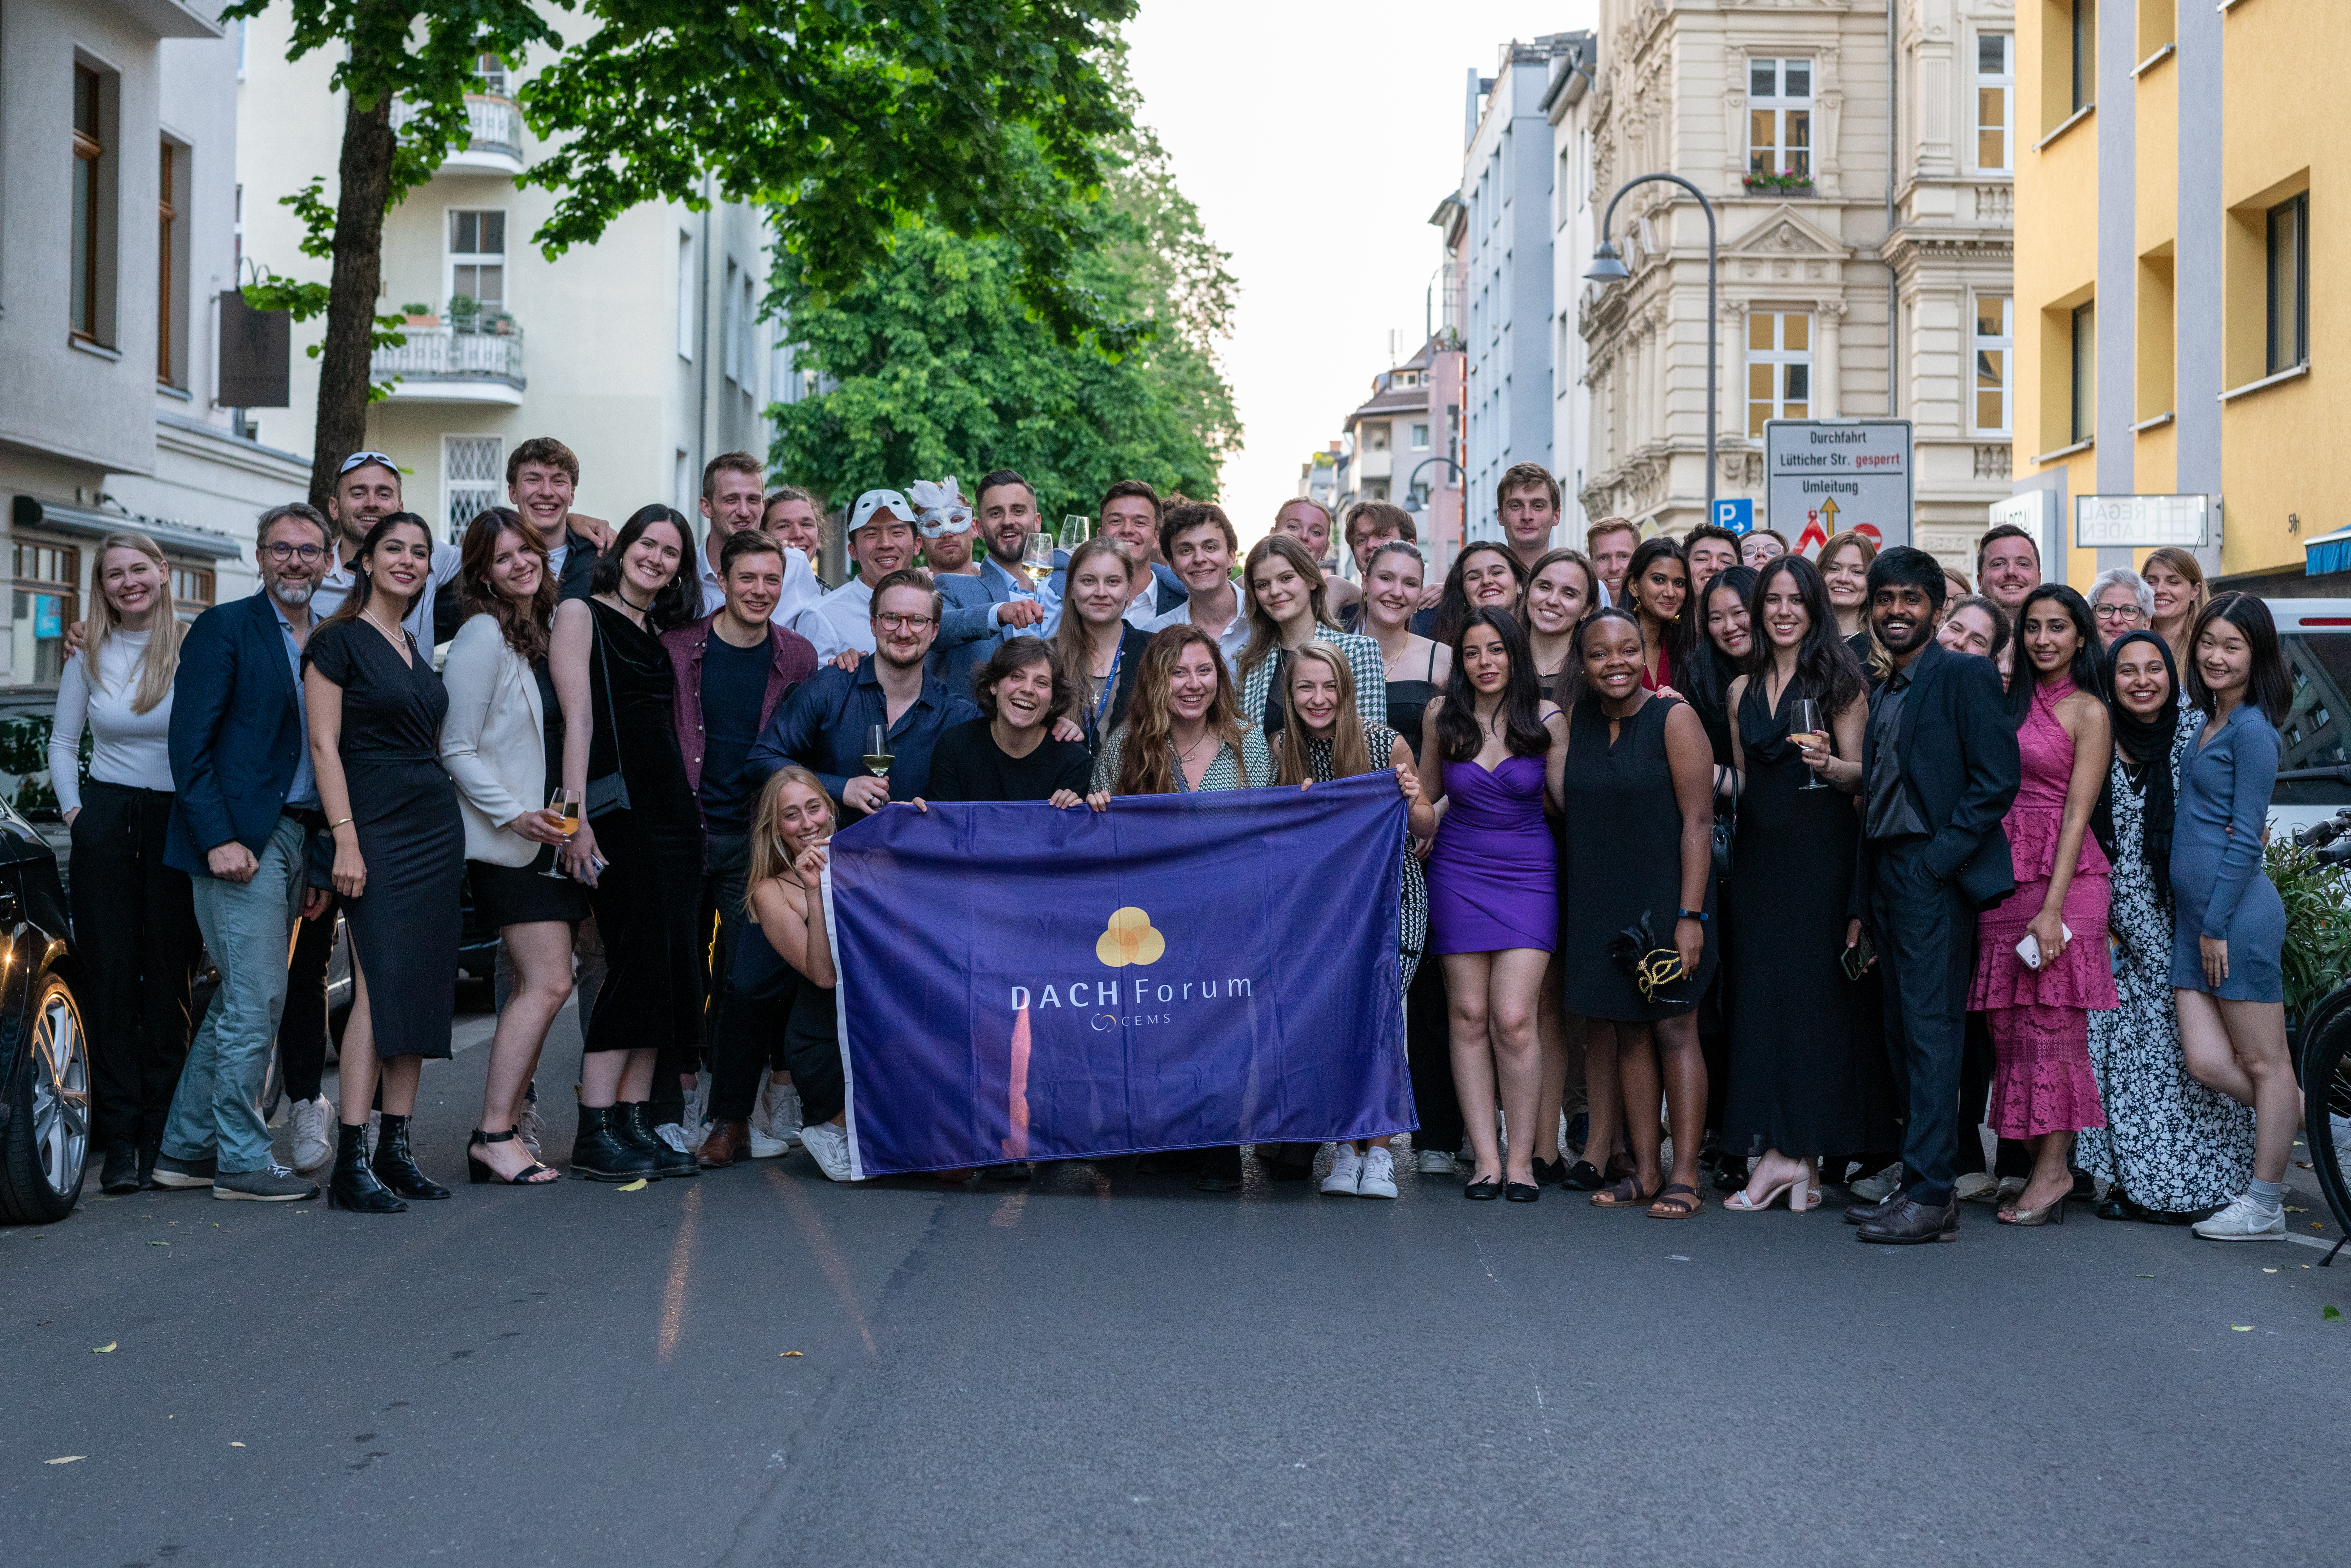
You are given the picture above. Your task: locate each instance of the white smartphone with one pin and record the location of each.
(2029, 948)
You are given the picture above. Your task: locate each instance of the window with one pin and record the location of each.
(473, 478)
(2086, 54)
(191, 590)
(2288, 285)
(684, 295)
(2085, 403)
(46, 594)
(1994, 338)
(731, 361)
(1420, 438)
(1780, 118)
(1779, 367)
(89, 204)
(491, 72)
(167, 218)
(1995, 97)
(477, 259)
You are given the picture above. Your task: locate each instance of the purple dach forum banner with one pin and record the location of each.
(1180, 971)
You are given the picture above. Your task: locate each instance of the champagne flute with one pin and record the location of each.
(878, 756)
(565, 804)
(1806, 720)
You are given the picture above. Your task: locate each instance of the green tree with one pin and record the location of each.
(856, 119)
(934, 364)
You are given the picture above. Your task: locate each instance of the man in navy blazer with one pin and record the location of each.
(1002, 601)
(245, 806)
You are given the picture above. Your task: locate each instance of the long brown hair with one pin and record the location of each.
(1072, 644)
(524, 631)
(1264, 635)
(355, 604)
(1146, 758)
(769, 857)
(2188, 566)
(1351, 753)
(161, 661)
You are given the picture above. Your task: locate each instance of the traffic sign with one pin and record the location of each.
(1737, 516)
(1822, 476)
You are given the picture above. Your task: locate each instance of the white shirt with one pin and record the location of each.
(801, 589)
(337, 585)
(841, 619)
(1141, 610)
(126, 748)
(1234, 638)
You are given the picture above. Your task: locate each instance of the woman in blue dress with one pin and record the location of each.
(2230, 926)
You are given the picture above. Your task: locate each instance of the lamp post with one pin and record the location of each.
(1460, 480)
(1607, 267)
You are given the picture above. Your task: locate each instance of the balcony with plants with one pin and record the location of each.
(471, 354)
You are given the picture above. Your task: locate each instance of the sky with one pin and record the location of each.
(1316, 137)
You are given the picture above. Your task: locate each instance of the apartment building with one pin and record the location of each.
(1569, 103)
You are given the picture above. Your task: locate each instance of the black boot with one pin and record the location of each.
(396, 1167)
(149, 1154)
(636, 1126)
(120, 1174)
(601, 1154)
(354, 1186)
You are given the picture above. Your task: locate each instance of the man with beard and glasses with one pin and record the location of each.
(241, 828)
(1939, 766)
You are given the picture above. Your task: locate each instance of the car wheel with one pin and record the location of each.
(46, 1145)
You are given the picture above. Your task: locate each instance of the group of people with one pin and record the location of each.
(1828, 862)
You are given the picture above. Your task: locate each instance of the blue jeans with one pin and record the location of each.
(246, 928)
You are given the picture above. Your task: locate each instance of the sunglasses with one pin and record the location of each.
(361, 459)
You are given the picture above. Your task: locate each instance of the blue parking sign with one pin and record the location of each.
(1737, 516)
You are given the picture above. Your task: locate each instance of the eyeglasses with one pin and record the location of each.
(2117, 612)
(892, 622)
(361, 459)
(282, 552)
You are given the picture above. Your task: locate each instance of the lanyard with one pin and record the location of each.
(1109, 686)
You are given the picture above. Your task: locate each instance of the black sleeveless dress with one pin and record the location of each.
(1408, 703)
(1623, 862)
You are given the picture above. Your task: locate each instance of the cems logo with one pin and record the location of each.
(1130, 939)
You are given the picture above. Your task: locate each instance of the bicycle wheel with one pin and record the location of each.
(2326, 1113)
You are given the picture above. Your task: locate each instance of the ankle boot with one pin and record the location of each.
(601, 1152)
(354, 1186)
(638, 1129)
(396, 1167)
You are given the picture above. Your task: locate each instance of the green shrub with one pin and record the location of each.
(2317, 924)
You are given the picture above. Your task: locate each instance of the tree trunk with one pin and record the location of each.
(343, 380)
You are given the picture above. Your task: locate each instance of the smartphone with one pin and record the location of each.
(1858, 957)
(2029, 948)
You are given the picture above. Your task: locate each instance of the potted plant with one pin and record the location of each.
(2318, 952)
(1786, 183)
(417, 313)
(465, 313)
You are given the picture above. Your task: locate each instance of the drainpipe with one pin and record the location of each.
(1893, 178)
(702, 343)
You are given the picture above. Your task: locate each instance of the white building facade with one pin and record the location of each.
(1568, 103)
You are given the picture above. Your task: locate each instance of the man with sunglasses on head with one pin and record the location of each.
(367, 491)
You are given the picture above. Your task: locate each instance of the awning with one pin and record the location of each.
(31, 512)
(2327, 552)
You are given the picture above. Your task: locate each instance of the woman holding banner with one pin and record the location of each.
(1493, 889)
(1322, 738)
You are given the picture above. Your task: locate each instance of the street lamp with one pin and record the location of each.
(1607, 267)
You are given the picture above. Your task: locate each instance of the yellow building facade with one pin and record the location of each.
(2175, 218)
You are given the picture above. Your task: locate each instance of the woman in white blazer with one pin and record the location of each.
(502, 743)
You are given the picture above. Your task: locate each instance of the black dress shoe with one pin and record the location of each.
(1584, 1176)
(1870, 1213)
(148, 1154)
(1485, 1191)
(1550, 1173)
(120, 1174)
(2117, 1205)
(1910, 1222)
(1522, 1192)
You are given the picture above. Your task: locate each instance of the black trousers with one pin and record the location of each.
(751, 1018)
(135, 922)
(1428, 1056)
(302, 1027)
(728, 863)
(1925, 931)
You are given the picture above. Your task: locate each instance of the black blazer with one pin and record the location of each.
(236, 734)
(1960, 765)
(579, 559)
(1131, 644)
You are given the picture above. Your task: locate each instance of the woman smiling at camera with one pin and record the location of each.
(1657, 592)
(1006, 754)
(1561, 591)
(1098, 650)
(1485, 576)
(1289, 607)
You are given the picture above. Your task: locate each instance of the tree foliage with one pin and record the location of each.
(933, 365)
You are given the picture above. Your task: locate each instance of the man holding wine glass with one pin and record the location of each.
(1005, 598)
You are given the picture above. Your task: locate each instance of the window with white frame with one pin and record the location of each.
(746, 329)
(477, 258)
(1995, 101)
(491, 72)
(1780, 118)
(1995, 338)
(730, 362)
(1778, 367)
(473, 479)
(684, 295)
(1420, 438)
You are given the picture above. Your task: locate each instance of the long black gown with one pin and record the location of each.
(1808, 1069)
(405, 924)
(648, 900)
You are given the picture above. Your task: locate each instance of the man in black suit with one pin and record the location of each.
(1938, 768)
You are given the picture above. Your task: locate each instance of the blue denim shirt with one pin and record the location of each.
(304, 790)
(822, 727)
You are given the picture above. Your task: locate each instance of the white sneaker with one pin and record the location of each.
(763, 1147)
(1379, 1175)
(530, 1126)
(675, 1136)
(829, 1146)
(2244, 1220)
(1346, 1172)
(1873, 1188)
(777, 1115)
(1436, 1162)
(312, 1122)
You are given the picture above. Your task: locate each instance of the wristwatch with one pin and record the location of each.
(1696, 914)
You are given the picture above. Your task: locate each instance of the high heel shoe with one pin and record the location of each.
(2050, 1213)
(354, 1186)
(482, 1173)
(395, 1166)
(1802, 1194)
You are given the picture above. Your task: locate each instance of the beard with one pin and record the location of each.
(293, 595)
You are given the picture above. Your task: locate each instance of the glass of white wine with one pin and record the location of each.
(565, 804)
(878, 756)
(1038, 556)
(1805, 719)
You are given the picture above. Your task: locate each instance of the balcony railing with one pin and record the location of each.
(443, 354)
(494, 125)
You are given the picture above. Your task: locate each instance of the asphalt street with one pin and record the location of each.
(763, 1368)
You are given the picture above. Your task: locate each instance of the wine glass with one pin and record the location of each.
(1075, 530)
(1038, 556)
(1805, 719)
(878, 756)
(565, 804)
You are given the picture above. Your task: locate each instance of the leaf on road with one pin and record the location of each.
(159, 1244)
(2147, 1276)
(2269, 1271)
(2330, 1315)
(236, 1445)
(2242, 1328)
(103, 1349)
(68, 1459)
(636, 1185)
(785, 1352)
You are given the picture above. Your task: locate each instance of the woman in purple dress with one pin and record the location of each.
(1493, 898)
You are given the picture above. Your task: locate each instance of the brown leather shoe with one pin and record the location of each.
(725, 1142)
(1911, 1222)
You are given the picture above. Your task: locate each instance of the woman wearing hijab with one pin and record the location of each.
(2170, 1146)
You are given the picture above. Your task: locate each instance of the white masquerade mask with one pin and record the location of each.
(940, 508)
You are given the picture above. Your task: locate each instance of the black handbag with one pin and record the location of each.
(609, 792)
(1726, 830)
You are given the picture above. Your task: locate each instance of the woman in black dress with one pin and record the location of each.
(1008, 753)
(1726, 644)
(375, 706)
(1808, 1069)
(1637, 887)
(639, 848)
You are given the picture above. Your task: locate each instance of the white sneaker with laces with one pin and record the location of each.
(2245, 1220)
(1379, 1175)
(1873, 1188)
(1436, 1162)
(829, 1146)
(1346, 1172)
(763, 1147)
(675, 1135)
(530, 1126)
(314, 1144)
(778, 1114)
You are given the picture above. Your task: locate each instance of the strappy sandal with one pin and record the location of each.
(486, 1175)
(1623, 1194)
(1668, 1205)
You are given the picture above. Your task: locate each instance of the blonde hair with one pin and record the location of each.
(1351, 753)
(2188, 566)
(161, 661)
(769, 858)
(1264, 635)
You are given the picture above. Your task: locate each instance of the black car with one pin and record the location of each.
(44, 1057)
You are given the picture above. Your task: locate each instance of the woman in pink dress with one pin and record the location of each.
(2042, 1088)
